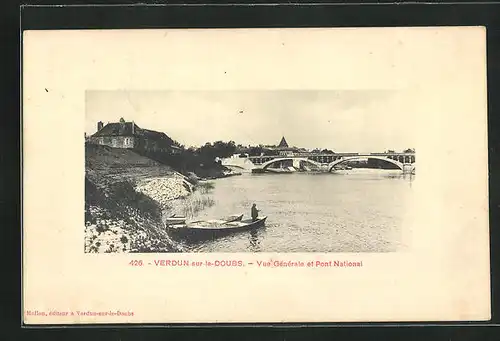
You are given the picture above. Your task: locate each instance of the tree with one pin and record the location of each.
(178, 144)
(409, 150)
(224, 149)
(255, 151)
(270, 152)
(209, 151)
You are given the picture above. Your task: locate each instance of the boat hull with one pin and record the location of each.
(175, 220)
(182, 221)
(198, 233)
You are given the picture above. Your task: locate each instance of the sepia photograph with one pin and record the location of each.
(255, 175)
(258, 171)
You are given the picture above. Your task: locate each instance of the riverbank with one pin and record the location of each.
(128, 196)
(125, 197)
(177, 196)
(119, 219)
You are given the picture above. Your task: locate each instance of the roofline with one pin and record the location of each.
(123, 135)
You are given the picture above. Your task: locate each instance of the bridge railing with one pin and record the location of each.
(328, 156)
(335, 154)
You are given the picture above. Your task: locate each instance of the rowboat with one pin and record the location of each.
(233, 217)
(211, 229)
(173, 219)
(228, 219)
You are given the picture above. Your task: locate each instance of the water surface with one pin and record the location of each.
(350, 211)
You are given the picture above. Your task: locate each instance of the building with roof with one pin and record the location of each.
(129, 135)
(284, 149)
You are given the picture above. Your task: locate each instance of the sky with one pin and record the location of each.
(343, 121)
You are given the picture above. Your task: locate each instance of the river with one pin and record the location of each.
(360, 210)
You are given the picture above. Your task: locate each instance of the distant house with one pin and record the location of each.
(129, 135)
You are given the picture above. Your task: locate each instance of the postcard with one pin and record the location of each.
(255, 175)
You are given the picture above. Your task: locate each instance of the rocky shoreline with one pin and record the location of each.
(127, 227)
(114, 235)
(131, 219)
(163, 190)
(128, 196)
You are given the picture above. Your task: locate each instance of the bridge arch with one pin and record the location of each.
(351, 158)
(270, 162)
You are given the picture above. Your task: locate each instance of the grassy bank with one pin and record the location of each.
(120, 219)
(205, 187)
(121, 212)
(190, 206)
(127, 197)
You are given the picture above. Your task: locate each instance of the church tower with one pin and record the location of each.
(283, 143)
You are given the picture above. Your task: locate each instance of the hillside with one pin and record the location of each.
(123, 211)
(103, 163)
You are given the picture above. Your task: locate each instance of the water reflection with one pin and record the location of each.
(254, 241)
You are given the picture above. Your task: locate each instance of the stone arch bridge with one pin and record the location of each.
(327, 162)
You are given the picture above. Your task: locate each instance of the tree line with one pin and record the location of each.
(202, 158)
(221, 149)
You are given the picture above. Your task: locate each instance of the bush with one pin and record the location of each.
(124, 192)
(205, 187)
(192, 178)
(194, 205)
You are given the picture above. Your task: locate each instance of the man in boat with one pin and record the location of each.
(255, 212)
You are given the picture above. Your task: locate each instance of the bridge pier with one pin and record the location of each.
(408, 168)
